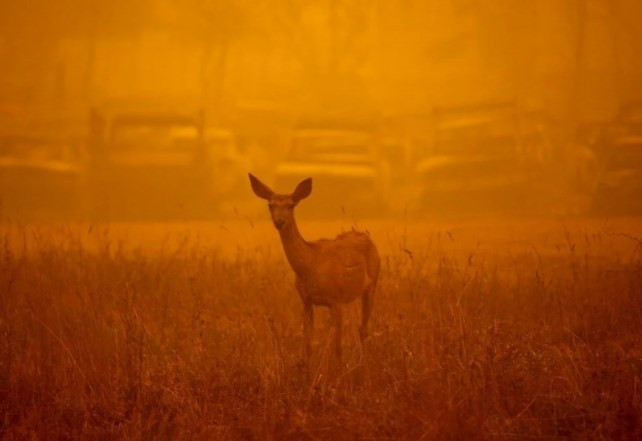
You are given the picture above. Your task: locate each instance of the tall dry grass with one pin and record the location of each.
(183, 342)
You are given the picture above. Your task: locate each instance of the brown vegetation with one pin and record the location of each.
(498, 342)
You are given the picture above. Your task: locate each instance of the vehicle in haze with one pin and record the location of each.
(629, 119)
(489, 158)
(39, 176)
(230, 167)
(147, 164)
(350, 175)
(618, 188)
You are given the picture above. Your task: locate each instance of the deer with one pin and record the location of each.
(328, 272)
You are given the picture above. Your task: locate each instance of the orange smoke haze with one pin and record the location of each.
(478, 162)
(157, 108)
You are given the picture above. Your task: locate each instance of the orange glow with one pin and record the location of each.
(411, 86)
(490, 150)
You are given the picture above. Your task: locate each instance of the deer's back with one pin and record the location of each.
(344, 268)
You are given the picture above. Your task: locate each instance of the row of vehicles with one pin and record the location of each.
(143, 163)
(493, 157)
(164, 164)
(129, 164)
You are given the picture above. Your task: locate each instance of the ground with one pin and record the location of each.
(482, 329)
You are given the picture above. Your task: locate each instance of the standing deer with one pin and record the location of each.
(329, 272)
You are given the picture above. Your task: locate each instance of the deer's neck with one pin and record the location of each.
(297, 250)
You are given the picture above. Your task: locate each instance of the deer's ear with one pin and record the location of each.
(302, 190)
(259, 188)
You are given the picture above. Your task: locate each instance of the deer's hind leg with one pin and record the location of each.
(337, 318)
(367, 300)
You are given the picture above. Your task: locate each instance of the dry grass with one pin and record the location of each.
(540, 339)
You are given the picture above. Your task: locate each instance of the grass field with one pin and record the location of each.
(481, 330)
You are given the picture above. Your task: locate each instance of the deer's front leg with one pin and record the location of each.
(308, 323)
(308, 326)
(337, 317)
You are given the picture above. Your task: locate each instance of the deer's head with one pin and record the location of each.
(281, 205)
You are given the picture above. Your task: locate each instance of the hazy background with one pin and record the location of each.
(254, 74)
(492, 149)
